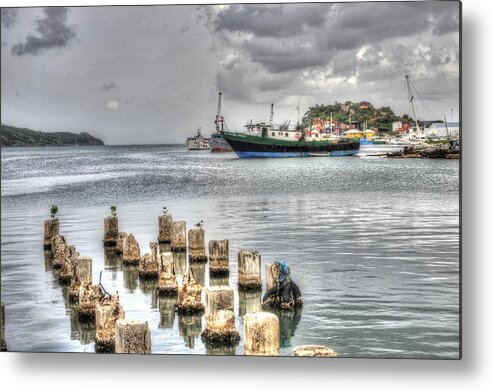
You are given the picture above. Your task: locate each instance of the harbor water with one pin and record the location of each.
(372, 243)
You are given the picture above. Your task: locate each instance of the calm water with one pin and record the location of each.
(372, 243)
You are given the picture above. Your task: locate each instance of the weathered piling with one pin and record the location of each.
(281, 290)
(82, 274)
(110, 231)
(164, 235)
(196, 245)
(132, 336)
(218, 257)
(189, 295)
(167, 311)
(220, 317)
(189, 327)
(249, 302)
(149, 264)
(119, 242)
(3, 344)
(249, 276)
(107, 313)
(168, 286)
(261, 334)
(89, 296)
(58, 248)
(68, 268)
(313, 351)
(51, 228)
(130, 250)
(178, 236)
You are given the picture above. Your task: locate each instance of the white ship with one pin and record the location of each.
(198, 142)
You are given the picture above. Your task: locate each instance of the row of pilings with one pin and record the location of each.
(114, 333)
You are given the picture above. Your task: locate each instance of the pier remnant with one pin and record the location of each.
(108, 311)
(3, 344)
(164, 235)
(149, 264)
(132, 336)
(58, 249)
(196, 245)
(189, 295)
(220, 317)
(130, 250)
(313, 351)
(110, 231)
(119, 242)
(282, 292)
(261, 334)
(68, 267)
(218, 257)
(82, 274)
(249, 276)
(178, 236)
(51, 229)
(168, 286)
(89, 296)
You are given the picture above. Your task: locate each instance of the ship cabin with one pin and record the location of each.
(354, 133)
(266, 130)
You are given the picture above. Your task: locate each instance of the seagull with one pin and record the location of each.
(200, 225)
(165, 211)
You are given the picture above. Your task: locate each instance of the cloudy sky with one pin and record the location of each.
(150, 74)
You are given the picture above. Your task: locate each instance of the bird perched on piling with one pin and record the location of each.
(200, 225)
(165, 211)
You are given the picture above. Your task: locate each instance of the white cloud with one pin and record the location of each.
(113, 105)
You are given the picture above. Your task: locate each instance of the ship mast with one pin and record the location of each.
(272, 115)
(218, 115)
(412, 103)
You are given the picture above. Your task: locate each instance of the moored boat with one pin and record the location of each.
(197, 142)
(218, 143)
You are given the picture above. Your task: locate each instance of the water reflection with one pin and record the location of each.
(130, 278)
(198, 270)
(149, 287)
(180, 263)
(248, 302)
(48, 261)
(167, 312)
(112, 261)
(288, 322)
(219, 281)
(221, 351)
(190, 327)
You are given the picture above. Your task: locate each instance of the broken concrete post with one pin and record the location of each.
(261, 334)
(82, 274)
(218, 257)
(271, 275)
(51, 228)
(149, 263)
(249, 302)
(58, 248)
(110, 231)
(119, 242)
(189, 327)
(168, 286)
(167, 311)
(3, 344)
(178, 236)
(196, 245)
(164, 235)
(249, 276)
(89, 296)
(130, 250)
(220, 317)
(132, 336)
(277, 300)
(313, 351)
(68, 268)
(107, 313)
(189, 295)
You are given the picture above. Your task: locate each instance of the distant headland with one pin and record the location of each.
(10, 136)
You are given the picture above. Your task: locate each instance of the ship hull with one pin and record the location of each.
(218, 143)
(246, 146)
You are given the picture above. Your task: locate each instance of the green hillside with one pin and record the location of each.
(10, 136)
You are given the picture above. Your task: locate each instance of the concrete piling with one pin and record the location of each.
(107, 313)
(218, 257)
(110, 231)
(68, 268)
(178, 236)
(168, 286)
(196, 245)
(132, 336)
(51, 228)
(82, 274)
(89, 296)
(272, 273)
(119, 242)
(164, 235)
(249, 275)
(130, 250)
(261, 334)
(58, 249)
(313, 351)
(220, 317)
(149, 264)
(189, 295)
(3, 344)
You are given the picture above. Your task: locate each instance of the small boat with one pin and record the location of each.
(198, 142)
(315, 154)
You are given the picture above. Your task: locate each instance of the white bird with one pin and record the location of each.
(200, 225)
(165, 211)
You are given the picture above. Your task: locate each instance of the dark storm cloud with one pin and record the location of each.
(108, 86)
(9, 17)
(53, 33)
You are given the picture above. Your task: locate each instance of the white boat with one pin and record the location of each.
(198, 142)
